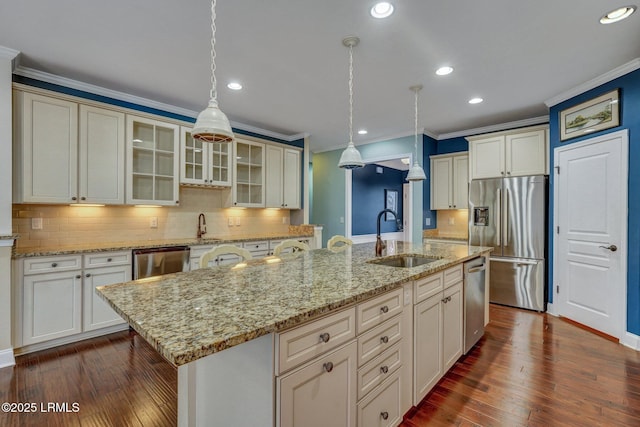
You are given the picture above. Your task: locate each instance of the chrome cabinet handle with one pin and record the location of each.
(384, 369)
(612, 248)
(384, 339)
(384, 415)
(328, 367)
(325, 337)
(384, 309)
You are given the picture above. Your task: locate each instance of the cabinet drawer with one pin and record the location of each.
(298, 345)
(52, 264)
(375, 311)
(427, 286)
(382, 407)
(262, 245)
(106, 259)
(379, 369)
(452, 275)
(378, 339)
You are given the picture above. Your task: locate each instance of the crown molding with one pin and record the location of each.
(496, 128)
(8, 53)
(121, 96)
(593, 83)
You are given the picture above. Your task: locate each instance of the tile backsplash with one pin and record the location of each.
(68, 225)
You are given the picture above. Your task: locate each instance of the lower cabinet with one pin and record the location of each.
(382, 407)
(97, 314)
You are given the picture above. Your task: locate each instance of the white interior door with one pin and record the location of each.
(591, 249)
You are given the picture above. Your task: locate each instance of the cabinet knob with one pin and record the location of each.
(285, 205)
(384, 415)
(384, 339)
(109, 259)
(508, 173)
(454, 206)
(78, 276)
(328, 367)
(325, 337)
(87, 275)
(444, 300)
(235, 203)
(83, 198)
(502, 173)
(74, 198)
(449, 205)
(384, 369)
(384, 309)
(177, 202)
(54, 264)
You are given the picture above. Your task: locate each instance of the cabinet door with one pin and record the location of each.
(274, 177)
(101, 152)
(48, 141)
(96, 312)
(193, 156)
(382, 407)
(152, 162)
(320, 394)
(291, 179)
(52, 306)
(427, 346)
(452, 326)
(487, 157)
(526, 153)
(249, 175)
(441, 183)
(219, 165)
(460, 182)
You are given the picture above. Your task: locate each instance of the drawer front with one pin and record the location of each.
(52, 264)
(379, 369)
(227, 259)
(197, 251)
(427, 286)
(378, 339)
(308, 341)
(452, 275)
(262, 245)
(375, 311)
(382, 407)
(106, 259)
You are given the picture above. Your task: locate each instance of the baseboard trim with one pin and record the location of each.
(551, 310)
(631, 340)
(70, 339)
(6, 358)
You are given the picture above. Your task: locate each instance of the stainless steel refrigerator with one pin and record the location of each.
(510, 215)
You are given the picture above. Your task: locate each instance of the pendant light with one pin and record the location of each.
(350, 158)
(212, 125)
(416, 173)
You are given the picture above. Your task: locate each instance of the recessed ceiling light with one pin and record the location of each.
(382, 9)
(475, 100)
(362, 132)
(617, 15)
(234, 86)
(443, 71)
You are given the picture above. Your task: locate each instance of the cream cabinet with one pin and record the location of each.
(438, 328)
(152, 166)
(65, 152)
(282, 177)
(248, 189)
(197, 251)
(204, 163)
(449, 181)
(518, 152)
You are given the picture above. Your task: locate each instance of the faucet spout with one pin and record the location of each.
(379, 244)
(202, 226)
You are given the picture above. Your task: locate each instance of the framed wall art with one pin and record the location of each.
(591, 116)
(390, 202)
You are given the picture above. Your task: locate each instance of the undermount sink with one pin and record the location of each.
(403, 261)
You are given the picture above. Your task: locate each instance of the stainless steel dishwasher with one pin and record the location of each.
(159, 261)
(474, 299)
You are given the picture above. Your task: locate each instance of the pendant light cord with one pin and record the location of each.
(415, 125)
(350, 93)
(213, 94)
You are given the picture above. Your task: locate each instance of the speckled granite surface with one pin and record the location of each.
(121, 246)
(9, 237)
(186, 316)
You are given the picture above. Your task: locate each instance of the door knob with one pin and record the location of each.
(612, 248)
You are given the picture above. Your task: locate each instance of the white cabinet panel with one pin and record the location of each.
(452, 324)
(274, 177)
(449, 181)
(96, 312)
(487, 157)
(291, 179)
(427, 346)
(248, 188)
(201, 163)
(282, 177)
(526, 153)
(382, 408)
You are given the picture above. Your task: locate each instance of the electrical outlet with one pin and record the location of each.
(36, 223)
(427, 221)
(341, 220)
(153, 222)
(237, 220)
(230, 221)
(452, 221)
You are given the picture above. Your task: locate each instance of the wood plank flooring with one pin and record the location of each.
(529, 370)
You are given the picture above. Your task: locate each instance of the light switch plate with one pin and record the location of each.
(36, 223)
(153, 222)
(230, 221)
(237, 220)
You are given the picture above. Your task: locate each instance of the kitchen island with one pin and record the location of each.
(220, 326)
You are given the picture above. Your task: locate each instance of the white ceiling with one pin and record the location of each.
(289, 57)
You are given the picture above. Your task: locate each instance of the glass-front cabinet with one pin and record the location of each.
(204, 163)
(152, 167)
(249, 174)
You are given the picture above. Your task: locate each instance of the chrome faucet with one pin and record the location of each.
(202, 226)
(379, 244)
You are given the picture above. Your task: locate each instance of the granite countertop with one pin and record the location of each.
(121, 246)
(449, 238)
(189, 315)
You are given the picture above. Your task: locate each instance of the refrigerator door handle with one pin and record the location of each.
(498, 211)
(507, 196)
(517, 261)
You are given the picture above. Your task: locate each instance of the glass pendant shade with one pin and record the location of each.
(212, 125)
(351, 158)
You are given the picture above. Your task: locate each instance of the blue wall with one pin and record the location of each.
(430, 147)
(452, 145)
(367, 198)
(629, 86)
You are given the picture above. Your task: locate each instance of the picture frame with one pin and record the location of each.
(390, 202)
(602, 112)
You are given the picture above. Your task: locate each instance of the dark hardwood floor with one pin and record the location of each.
(529, 370)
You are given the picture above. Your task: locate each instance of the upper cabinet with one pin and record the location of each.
(204, 163)
(65, 152)
(282, 177)
(248, 189)
(152, 167)
(449, 181)
(518, 152)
